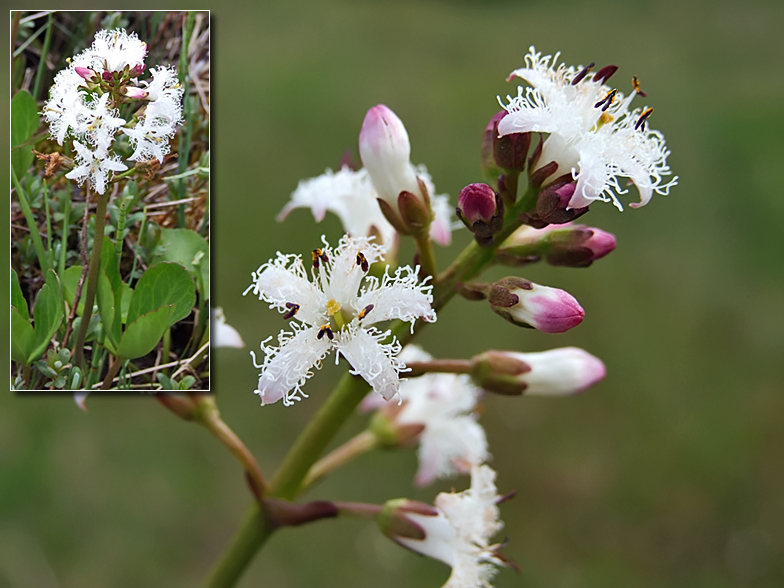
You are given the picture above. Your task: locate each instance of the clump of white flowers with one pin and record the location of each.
(85, 100)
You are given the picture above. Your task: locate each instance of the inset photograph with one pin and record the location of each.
(110, 177)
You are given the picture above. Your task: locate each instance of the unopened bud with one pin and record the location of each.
(137, 70)
(490, 169)
(557, 372)
(526, 304)
(107, 76)
(385, 151)
(85, 72)
(560, 245)
(510, 151)
(481, 210)
(136, 93)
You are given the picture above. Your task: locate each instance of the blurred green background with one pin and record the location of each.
(668, 473)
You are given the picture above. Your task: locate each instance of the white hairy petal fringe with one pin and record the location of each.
(375, 361)
(286, 368)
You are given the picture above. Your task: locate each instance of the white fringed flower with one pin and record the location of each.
(97, 165)
(336, 311)
(459, 533)
(113, 50)
(352, 196)
(593, 134)
(451, 441)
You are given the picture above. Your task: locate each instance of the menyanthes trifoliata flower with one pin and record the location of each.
(440, 412)
(457, 531)
(336, 310)
(594, 136)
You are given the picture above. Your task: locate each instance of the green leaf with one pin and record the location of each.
(17, 298)
(110, 291)
(70, 282)
(24, 122)
(162, 285)
(24, 118)
(22, 337)
(181, 246)
(143, 334)
(48, 313)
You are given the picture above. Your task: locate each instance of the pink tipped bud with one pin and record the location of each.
(526, 304)
(385, 151)
(561, 245)
(476, 203)
(137, 70)
(136, 93)
(107, 76)
(553, 205)
(481, 210)
(557, 372)
(85, 72)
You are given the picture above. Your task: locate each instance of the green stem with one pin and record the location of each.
(64, 238)
(308, 447)
(444, 366)
(49, 251)
(28, 214)
(253, 533)
(92, 277)
(427, 258)
(44, 53)
(350, 450)
(206, 413)
(114, 367)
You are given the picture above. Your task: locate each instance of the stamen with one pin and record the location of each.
(641, 121)
(362, 262)
(607, 100)
(605, 73)
(636, 86)
(293, 309)
(327, 330)
(579, 77)
(318, 254)
(364, 312)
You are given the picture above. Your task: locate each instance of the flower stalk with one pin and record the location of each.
(92, 277)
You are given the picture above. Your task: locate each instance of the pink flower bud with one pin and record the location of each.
(526, 304)
(557, 372)
(136, 93)
(107, 76)
(476, 203)
(85, 72)
(385, 151)
(561, 245)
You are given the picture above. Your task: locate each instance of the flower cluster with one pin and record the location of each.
(595, 140)
(594, 136)
(85, 99)
(336, 310)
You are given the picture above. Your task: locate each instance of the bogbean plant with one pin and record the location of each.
(129, 282)
(566, 141)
